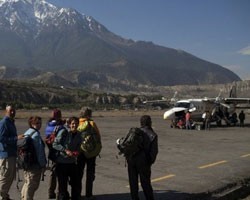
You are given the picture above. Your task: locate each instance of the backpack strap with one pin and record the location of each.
(31, 134)
(88, 126)
(56, 129)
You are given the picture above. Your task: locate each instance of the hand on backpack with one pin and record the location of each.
(71, 153)
(20, 136)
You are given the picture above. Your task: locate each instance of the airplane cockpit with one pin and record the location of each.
(182, 105)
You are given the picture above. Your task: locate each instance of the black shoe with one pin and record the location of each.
(90, 198)
(52, 196)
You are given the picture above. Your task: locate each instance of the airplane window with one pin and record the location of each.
(182, 104)
(191, 105)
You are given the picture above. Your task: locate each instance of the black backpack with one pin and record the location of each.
(26, 152)
(132, 143)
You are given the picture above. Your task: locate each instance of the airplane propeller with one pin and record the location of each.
(219, 100)
(174, 99)
(225, 105)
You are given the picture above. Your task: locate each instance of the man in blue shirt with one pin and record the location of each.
(8, 152)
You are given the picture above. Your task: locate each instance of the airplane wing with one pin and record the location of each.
(238, 102)
(163, 100)
(212, 100)
(157, 101)
(241, 103)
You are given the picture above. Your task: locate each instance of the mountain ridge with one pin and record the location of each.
(36, 34)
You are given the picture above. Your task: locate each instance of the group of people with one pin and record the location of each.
(67, 168)
(183, 121)
(233, 119)
(230, 120)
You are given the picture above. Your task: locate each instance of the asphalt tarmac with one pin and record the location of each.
(191, 164)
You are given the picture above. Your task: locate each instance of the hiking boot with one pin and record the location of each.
(90, 198)
(52, 196)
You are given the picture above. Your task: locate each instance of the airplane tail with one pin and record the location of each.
(232, 93)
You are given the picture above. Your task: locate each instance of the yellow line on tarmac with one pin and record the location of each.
(159, 179)
(162, 178)
(246, 155)
(212, 164)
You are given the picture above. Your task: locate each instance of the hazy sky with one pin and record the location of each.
(215, 30)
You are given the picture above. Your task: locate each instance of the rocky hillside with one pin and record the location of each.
(34, 95)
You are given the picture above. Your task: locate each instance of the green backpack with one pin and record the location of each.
(91, 144)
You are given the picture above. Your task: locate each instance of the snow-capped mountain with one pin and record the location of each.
(35, 33)
(28, 18)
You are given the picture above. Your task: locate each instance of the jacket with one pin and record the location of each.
(67, 141)
(8, 138)
(39, 146)
(150, 144)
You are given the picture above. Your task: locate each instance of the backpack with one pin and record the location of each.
(91, 144)
(132, 143)
(26, 152)
(53, 153)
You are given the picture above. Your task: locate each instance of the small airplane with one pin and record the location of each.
(219, 108)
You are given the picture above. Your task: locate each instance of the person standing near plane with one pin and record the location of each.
(207, 120)
(204, 119)
(188, 118)
(242, 118)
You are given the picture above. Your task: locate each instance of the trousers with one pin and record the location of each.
(82, 161)
(7, 175)
(140, 168)
(31, 183)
